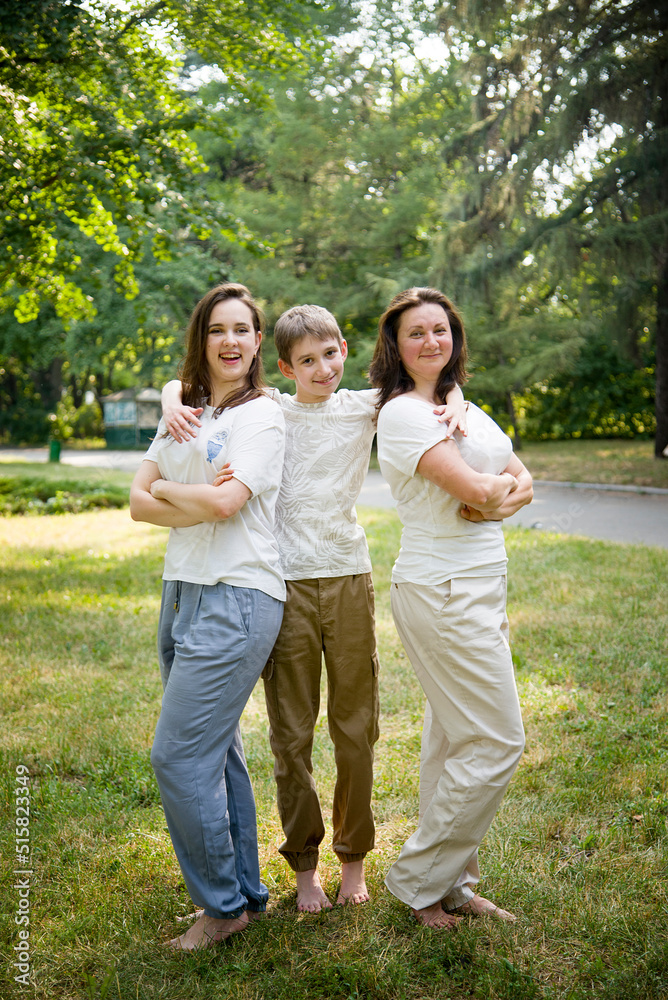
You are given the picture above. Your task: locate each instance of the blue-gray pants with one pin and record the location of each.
(213, 642)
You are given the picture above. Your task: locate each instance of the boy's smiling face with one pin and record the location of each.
(316, 367)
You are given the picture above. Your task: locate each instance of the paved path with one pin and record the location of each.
(121, 461)
(617, 515)
(622, 515)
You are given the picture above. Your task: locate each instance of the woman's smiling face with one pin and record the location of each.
(232, 343)
(424, 341)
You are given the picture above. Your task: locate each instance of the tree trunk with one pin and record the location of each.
(9, 391)
(49, 383)
(98, 386)
(661, 398)
(77, 392)
(661, 440)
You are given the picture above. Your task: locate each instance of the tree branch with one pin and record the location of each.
(144, 15)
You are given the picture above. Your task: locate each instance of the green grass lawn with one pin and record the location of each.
(85, 474)
(579, 849)
(614, 461)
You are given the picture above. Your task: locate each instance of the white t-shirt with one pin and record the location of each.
(240, 550)
(438, 544)
(327, 448)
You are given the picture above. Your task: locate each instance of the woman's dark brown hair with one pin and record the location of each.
(387, 372)
(194, 371)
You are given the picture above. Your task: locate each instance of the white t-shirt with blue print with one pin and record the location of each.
(240, 550)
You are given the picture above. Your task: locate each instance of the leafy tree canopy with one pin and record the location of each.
(340, 179)
(566, 160)
(94, 131)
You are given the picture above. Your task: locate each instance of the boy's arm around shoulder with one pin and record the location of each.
(182, 421)
(257, 443)
(453, 412)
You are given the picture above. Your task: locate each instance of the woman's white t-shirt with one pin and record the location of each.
(438, 544)
(240, 550)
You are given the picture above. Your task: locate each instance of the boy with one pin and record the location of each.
(329, 607)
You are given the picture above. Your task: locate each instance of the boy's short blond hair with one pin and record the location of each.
(303, 321)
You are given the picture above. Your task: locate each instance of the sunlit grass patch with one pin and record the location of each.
(578, 849)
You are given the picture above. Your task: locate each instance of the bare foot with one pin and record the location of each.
(207, 931)
(353, 887)
(481, 907)
(436, 917)
(311, 896)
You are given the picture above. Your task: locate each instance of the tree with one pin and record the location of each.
(341, 180)
(126, 342)
(102, 184)
(94, 126)
(603, 395)
(566, 159)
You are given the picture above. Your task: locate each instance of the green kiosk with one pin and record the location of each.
(131, 418)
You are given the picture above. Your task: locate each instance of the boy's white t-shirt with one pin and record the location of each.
(438, 544)
(241, 550)
(327, 448)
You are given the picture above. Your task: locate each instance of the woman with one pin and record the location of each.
(448, 600)
(222, 606)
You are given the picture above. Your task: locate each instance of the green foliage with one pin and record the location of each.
(23, 412)
(151, 150)
(341, 179)
(603, 395)
(364, 179)
(103, 113)
(86, 421)
(564, 165)
(95, 133)
(127, 343)
(39, 30)
(69, 422)
(32, 495)
(102, 184)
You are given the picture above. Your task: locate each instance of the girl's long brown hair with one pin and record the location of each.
(387, 372)
(194, 370)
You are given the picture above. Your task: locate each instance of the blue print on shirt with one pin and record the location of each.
(215, 444)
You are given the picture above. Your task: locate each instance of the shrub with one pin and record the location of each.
(604, 395)
(31, 495)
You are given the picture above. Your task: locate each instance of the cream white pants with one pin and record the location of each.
(456, 637)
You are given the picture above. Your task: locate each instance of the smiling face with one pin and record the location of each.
(424, 342)
(232, 343)
(316, 367)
